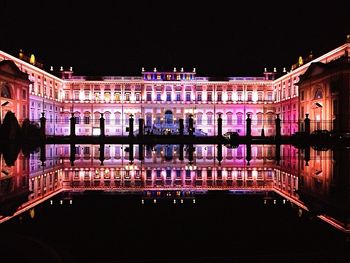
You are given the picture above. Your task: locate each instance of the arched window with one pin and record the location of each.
(229, 118)
(86, 117)
(199, 118)
(6, 91)
(239, 118)
(77, 117)
(117, 118)
(97, 116)
(318, 94)
(209, 118)
(259, 117)
(107, 117)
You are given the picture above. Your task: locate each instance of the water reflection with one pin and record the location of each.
(314, 180)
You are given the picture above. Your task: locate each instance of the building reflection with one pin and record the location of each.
(14, 189)
(314, 180)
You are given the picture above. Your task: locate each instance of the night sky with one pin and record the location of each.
(219, 38)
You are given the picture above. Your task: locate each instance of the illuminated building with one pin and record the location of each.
(162, 98)
(14, 95)
(324, 95)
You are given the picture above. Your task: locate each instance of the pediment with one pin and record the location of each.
(313, 70)
(9, 67)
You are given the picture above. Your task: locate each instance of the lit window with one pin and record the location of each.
(239, 119)
(318, 94)
(269, 96)
(127, 96)
(149, 96)
(107, 96)
(250, 96)
(209, 96)
(87, 95)
(199, 119)
(219, 96)
(76, 95)
(138, 96)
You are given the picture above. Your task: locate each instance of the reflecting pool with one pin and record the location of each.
(203, 203)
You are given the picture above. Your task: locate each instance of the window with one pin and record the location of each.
(76, 95)
(159, 97)
(77, 118)
(24, 111)
(250, 96)
(269, 119)
(229, 96)
(86, 150)
(97, 96)
(269, 96)
(239, 119)
(210, 119)
(209, 96)
(127, 96)
(24, 94)
(209, 174)
(318, 94)
(199, 174)
(228, 153)
(219, 96)
(239, 152)
(188, 96)
(107, 96)
(117, 118)
(87, 119)
(117, 96)
(302, 112)
(260, 118)
(87, 95)
(239, 96)
(149, 96)
(168, 96)
(210, 151)
(199, 119)
(229, 118)
(178, 97)
(138, 96)
(199, 97)
(260, 96)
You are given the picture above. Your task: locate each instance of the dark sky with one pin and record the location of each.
(219, 38)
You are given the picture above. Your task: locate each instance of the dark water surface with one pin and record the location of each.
(256, 208)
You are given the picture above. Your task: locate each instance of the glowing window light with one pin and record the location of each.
(96, 131)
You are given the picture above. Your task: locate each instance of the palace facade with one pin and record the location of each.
(162, 98)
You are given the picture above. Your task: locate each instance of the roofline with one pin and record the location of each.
(17, 60)
(318, 59)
